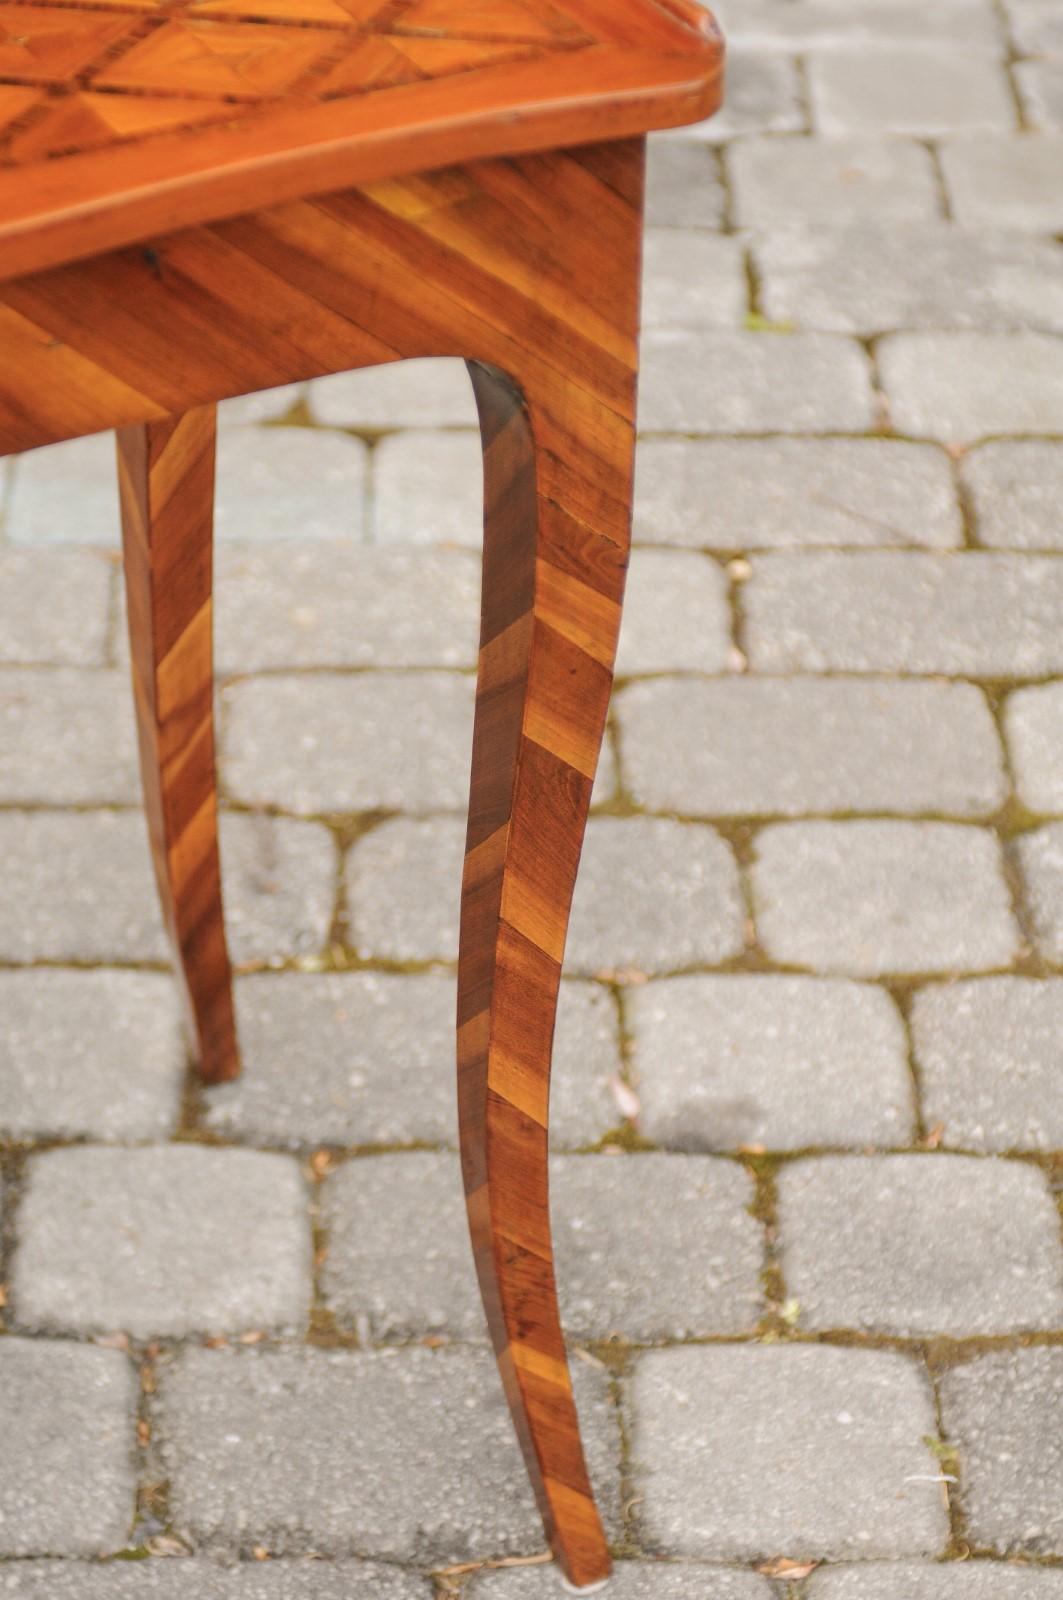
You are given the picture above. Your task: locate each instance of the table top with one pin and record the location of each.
(121, 119)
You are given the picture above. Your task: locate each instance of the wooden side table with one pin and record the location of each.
(201, 198)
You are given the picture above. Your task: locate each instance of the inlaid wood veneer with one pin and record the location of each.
(198, 200)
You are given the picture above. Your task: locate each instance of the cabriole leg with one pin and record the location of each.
(166, 481)
(557, 484)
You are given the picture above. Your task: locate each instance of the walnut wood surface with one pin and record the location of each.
(120, 119)
(557, 496)
(166, 484)
(529, 268)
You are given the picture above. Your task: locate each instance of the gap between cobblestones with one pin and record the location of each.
(1011, 56)
(883, 428)
(723, 178)
(966, 504)
(804, 94)
(934, 155)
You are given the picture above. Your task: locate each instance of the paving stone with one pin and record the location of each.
(777, 181)
(1033, 722)
(1036, 26)
(206, 1580)
(695, 382)
(998, 181)
(763, 96)
(846, 24)
(1016, 489)
(1004, 1412)
(80, 888)
(631, 1580)
(67, 737)
(357, 1058)
(405, 1454)
(651, 893)
(266, 405)
(278, 881)
(780, 1062)
(365, 1058)
(77, 888)
(289, 483)
(432, 393)
(428, 489)
(958, 1580)
(960, 386)
(692, 279)
(677, 617)
(1041, 89)
(869, 898)
(871, 278)
(648, 1246)
(330, 743)
(54, 607)
(990, 615)
(863, 1245)
(333, 606)
(67, 1486)
(1040, 858)
(66, 494)
(404, 890)
(990, 1055)
(94, 1055)
(654, 894)
(786, 746)
(163, 1241)
(399, 1259)
(748, 494)
(815, 1451)
(683, 188)
(272, 483)
(655, 1246)
(895, 89)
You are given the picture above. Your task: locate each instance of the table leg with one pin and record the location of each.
(166, 481)
(552, 590)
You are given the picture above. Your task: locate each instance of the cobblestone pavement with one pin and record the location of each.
(809, 1102)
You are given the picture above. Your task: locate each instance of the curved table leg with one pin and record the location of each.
(166, 481)
(558, 482)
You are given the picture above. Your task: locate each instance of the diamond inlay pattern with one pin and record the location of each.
(127, 69)
(217, 58)
(121, 113)
(42, 45)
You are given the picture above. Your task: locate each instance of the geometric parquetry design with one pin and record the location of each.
(120, 119)
(191, 61)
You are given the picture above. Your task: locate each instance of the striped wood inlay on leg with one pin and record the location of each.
(556, 536)
(166, 485)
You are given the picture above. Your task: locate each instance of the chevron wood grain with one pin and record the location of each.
(166, 487)
(557, 493)
(201, 198)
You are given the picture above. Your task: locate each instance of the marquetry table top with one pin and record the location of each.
(123, 118)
